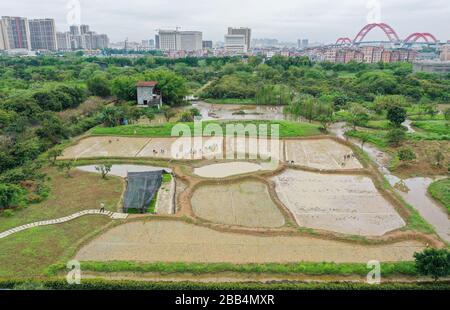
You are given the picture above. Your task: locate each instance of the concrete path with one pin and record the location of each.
(113, 215)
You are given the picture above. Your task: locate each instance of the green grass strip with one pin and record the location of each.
(303, 268)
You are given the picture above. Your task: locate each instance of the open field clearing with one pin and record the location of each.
(27, 253)
(224, 170)
(172, 241)
(340, 203)
(321, 154)
(245, 204)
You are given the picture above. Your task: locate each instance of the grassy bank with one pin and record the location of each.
(303, 268)
(287, 129)
(440, 190)
(29, 252)
(98, 284)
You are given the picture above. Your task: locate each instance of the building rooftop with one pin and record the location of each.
(146, 84)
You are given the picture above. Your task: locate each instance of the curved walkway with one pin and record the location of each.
(113, 215)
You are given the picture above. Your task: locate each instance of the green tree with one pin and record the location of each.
(396, 115)
(168, 112)
(11, 196)
(111, 115)
(396, 136)
(53, 154)
(124, 88)
(433, 262)
(104, 169)
(99, 86)
(172, 86)
(67, 167)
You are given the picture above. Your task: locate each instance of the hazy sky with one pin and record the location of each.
(287, 20)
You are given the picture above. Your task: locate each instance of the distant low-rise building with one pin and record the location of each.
(442, 67)
(445, 53)
(235, 44)
(207, 45)
(175, 40)
(148, 95)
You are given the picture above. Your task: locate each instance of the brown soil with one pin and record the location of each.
(425, 163)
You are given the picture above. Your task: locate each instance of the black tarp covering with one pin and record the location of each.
(141, 188)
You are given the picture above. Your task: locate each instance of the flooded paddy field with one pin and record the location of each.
(340, 203)
(246, 203)
(175, 241)
(224, 170)
(321, 154)
(210, 111)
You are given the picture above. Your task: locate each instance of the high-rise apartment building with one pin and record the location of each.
(4, 44)
(84, 29)
(246, 32)
(43, 34)
(16, 32)
(174, 40)
(74, 30)
(63, 41)
(302, 43)
(235, 44)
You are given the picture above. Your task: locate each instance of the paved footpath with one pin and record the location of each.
(113, 215)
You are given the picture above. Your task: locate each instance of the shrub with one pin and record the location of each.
(406, 155)
(396, 136)
(433, 262)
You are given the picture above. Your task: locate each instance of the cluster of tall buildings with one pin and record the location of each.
(364, 54)
(21, 33)
(81, 38)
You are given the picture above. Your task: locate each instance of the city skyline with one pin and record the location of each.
(286, 21)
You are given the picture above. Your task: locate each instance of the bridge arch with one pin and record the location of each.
(414, 37)
(342, 41)
(388, 30)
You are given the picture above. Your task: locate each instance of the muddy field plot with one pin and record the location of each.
(183, 148)
(224, 170)
(340, 203)
(170, 241)
(321, 154)
(244, 204)
(105, 147)
(164, 148)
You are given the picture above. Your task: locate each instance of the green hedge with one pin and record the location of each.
(99, 284)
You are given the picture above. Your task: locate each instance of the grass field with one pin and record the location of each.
(29, 252)
(439, 127)
(440, 190)
(287, 129)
